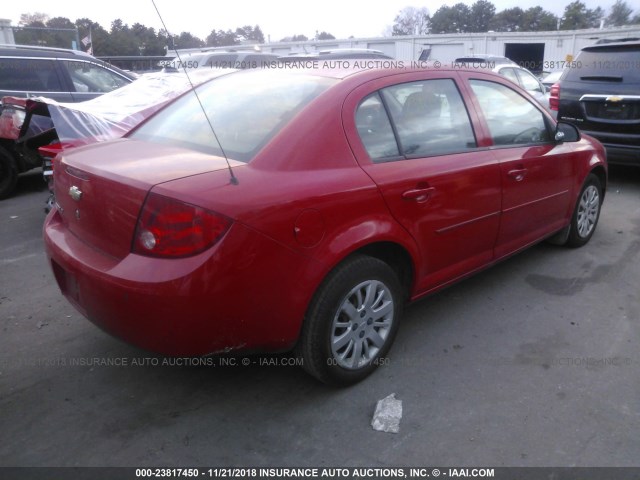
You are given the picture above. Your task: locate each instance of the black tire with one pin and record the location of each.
(331, 339)
(586, 213)
(8, 174)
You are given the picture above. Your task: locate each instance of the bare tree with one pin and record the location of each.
(412, 21)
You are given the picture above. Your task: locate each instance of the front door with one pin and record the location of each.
(536, 173)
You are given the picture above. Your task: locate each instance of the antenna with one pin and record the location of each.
(233, 179)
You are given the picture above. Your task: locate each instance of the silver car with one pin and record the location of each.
(511, 70)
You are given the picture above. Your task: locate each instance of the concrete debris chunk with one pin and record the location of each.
(387, 415)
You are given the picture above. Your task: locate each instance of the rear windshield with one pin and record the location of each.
(246, 110)
(616, 63)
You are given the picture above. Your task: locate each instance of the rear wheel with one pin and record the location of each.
(8, 174)
(352, 321)
(587, 212)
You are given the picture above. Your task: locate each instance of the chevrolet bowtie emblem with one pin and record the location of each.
(75, 193)
(614, 98)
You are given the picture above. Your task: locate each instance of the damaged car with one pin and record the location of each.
(34, 130)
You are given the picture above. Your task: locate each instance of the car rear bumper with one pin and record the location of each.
(623, 155)
(243, 294)
(621, 148)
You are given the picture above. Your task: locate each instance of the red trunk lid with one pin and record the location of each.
(101, 188)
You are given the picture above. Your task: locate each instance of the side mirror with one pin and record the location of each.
(566, 132)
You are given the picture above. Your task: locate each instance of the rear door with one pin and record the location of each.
(413, 135)
(32, 77)
(536, 172)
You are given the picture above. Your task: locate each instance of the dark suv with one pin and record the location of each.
(57, 73)
(601, 96)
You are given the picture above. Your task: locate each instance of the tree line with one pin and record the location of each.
(122, 39)
(481, 17)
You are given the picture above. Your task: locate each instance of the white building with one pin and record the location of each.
(534, 50)
(6, 32)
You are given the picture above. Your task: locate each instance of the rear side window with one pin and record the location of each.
(375, 129)
(427, 118)
(512, 119)
(37, 125)
(29, 75)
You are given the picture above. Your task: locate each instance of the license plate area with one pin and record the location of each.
(610, 108)
(614, 111)
(67, 282)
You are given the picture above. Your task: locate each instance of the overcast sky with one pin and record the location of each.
(277, 18)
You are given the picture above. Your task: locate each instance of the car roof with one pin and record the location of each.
(337, 54)
(349, 50)
(474, 57)
(230, 52)
(633, 45)
(369, 67)
(553, 75)
(30, 51)
(500, 66)
(238, 54)
(45, 52)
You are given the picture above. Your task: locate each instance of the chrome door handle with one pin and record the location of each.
(518, 174)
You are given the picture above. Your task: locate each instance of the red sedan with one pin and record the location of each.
(307, 207)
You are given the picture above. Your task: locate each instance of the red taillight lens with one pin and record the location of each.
(554, 97)
(170, 228)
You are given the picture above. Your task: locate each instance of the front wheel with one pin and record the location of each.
(352, 321)
(587, 212)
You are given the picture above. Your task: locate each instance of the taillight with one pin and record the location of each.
(554, 97)
(170, 228)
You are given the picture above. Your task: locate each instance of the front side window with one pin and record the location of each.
(510, 74)
(512, 119)
(29, 75)
(88, 77)
(529, 82)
